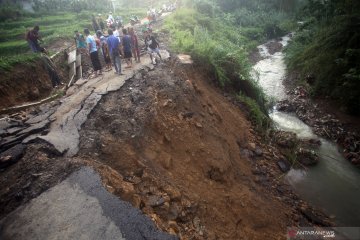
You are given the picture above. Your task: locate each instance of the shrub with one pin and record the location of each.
(257, 116)
(221, 47)
(330, 52)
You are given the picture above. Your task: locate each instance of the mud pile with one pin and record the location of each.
(174, 147)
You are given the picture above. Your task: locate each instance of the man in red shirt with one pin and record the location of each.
(33, 37)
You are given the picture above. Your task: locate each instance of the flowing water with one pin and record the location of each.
(333, 184)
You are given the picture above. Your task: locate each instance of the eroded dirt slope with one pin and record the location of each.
(169, 143)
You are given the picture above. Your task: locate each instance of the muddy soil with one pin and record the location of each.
(29, 82)
(178, 150)
(25, 83)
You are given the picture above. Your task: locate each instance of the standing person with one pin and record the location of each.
(135, 44)
(101, 23)
(117, 32)
(92, 51)
(114, 49)
(80, 41)
(126, 46)
(152, 45)
(104, 50)
(110, 20)
(95, 24)
(33, 38)
(110, 17)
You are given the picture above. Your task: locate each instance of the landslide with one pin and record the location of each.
(28, 82)
(24, 83)
(170, 143)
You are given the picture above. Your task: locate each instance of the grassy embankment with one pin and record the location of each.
(14, 49)
(326, 52)
(216, 40)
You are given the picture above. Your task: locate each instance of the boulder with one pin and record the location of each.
(286, 139)
(283, 165)
(307, 157)
(155, 201)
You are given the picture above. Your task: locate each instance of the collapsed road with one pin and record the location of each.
(161, 138)
(79, 208)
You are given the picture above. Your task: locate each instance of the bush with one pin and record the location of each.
(212, 43)
(11, 12)
(257, 116)
(330, 52)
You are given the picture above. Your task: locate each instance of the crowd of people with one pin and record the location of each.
(110, 43)
(113, 44)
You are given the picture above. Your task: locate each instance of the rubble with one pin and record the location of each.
(11, 155)
(307, 157)
(324, 125)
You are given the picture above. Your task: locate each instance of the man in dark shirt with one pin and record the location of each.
(114, 48)
(126, 45)
(152, 45)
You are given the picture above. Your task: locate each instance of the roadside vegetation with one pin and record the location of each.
(221, 34)
(326, 51)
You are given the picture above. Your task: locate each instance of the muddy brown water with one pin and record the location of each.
(333, 185)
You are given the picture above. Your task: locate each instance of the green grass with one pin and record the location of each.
(7, 62)
(257, 116)
(329, 52)
(57, 26)
(221, 47)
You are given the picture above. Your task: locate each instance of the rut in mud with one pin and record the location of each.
(169, 143)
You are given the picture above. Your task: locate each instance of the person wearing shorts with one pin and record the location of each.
(152, 45)
(126, 46)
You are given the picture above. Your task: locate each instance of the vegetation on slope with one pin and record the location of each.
(222, 41)
(327, 49)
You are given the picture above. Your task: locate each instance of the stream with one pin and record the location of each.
(333, 185)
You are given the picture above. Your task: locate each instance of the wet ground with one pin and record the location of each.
(324, 170)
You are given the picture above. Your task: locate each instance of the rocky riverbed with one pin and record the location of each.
(323, 124)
